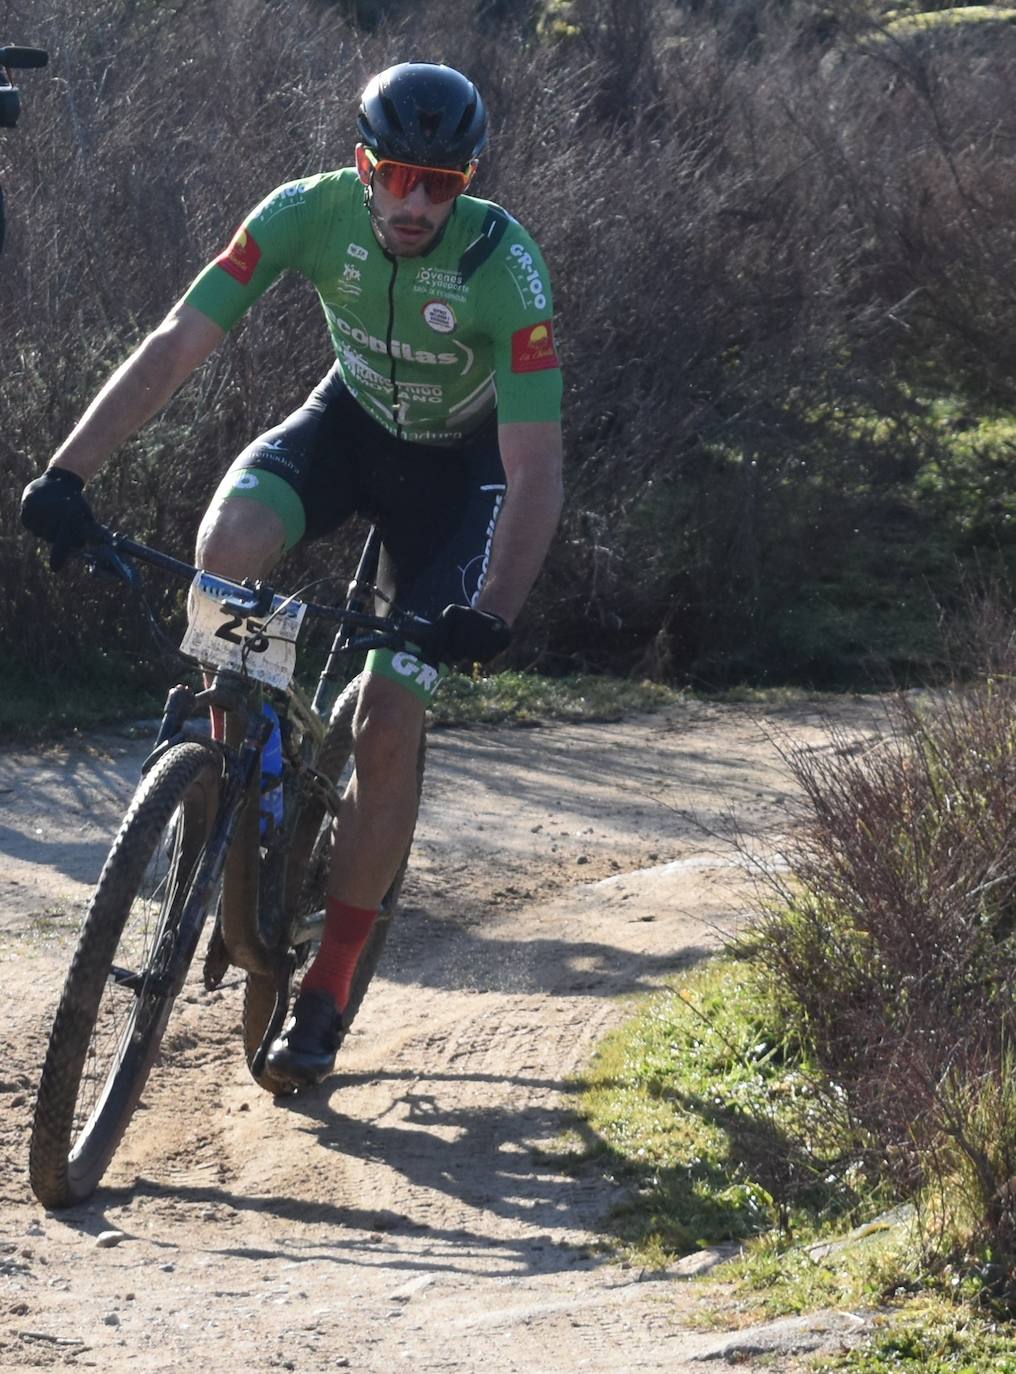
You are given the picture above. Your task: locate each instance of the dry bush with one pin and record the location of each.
(762, 269)
(891, 946)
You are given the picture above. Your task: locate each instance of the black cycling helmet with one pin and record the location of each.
(424, 113)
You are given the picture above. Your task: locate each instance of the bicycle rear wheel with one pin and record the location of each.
(314, 840)
(130, 960)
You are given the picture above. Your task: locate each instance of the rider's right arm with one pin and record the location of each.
(139, 388)
(273, 236)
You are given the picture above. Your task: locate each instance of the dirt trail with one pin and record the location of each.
(404, 1214)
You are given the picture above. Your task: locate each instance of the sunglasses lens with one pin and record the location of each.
(396, 177)
(443, 185)
(401, 179)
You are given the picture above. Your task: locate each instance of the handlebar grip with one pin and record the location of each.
(23, 57)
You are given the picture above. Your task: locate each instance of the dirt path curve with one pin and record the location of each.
(408, 1213)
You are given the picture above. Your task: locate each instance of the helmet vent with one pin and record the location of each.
(468, 115)
(430, 122)
(391, 111)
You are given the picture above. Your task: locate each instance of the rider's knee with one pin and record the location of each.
(386, 731)
(239, 538)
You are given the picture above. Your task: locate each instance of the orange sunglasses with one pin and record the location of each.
(400, 179)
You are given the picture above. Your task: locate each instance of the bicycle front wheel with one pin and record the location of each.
(123, 978)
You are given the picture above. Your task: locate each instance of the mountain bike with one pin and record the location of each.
(195, 843)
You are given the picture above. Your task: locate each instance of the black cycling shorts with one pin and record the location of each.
(435, 507)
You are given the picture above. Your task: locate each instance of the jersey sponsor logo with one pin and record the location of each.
(432, 279)
(404, 351)
(533, 348)
(440, 316)
(355, 251)
(534, 293)
(422, 391)
(287, 199)
(355, 365)
(474, 574)
(349, 283)
(358, 366)
(241, 257)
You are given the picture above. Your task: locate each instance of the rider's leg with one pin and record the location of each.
(374, 829)
(239, 538)
(373, 833)
(437, 513)
(376, 822)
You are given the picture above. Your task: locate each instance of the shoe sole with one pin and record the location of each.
(282, 1066)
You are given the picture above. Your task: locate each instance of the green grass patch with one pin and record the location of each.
(106, 688)
(39, 703)
(528, 699)
(709, 1117)
(935, 1335)
(872, 1266)
(714, 1126)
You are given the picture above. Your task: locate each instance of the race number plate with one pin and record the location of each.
(220, 638)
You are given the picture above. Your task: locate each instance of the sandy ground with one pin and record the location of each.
(403, 1214)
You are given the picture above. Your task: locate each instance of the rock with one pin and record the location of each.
(815, 1331)
(105, 1240)
(690, 1266)
(111, 1319)
(409, 1290)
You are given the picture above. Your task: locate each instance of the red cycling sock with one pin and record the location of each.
(346, 931)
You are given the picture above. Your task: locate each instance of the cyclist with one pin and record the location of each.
(439, 421)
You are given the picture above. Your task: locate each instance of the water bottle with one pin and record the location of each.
(271, 777)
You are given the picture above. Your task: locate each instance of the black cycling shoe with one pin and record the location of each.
(305, 1051)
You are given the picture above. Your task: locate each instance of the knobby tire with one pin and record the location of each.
(120, 988)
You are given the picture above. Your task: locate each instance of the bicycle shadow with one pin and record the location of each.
(544, 1192)
(520, 1202)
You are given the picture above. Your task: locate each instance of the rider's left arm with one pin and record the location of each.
(531, 455)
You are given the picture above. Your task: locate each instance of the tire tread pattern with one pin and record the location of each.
(181, 769)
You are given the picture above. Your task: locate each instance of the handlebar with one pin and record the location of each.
(112, 554)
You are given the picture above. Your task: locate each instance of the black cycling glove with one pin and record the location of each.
(54, 508)
(462, 633)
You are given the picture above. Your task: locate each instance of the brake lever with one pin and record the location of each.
(102, 560)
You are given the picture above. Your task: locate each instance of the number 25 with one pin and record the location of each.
(255, 638)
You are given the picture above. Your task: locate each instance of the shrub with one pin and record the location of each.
(891, 946)
(767, 271)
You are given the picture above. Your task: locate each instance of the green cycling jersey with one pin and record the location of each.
(430, 345)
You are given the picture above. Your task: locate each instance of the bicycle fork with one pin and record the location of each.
(209, 871)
